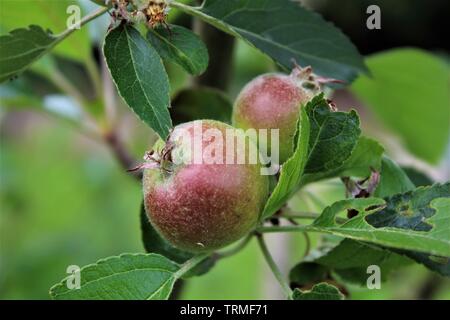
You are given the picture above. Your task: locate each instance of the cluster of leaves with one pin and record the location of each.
(398, 224)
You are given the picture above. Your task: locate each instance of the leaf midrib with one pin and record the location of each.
(140, 84)
(115, 275)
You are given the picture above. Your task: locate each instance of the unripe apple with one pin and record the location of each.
(272, 101)
(202, 206)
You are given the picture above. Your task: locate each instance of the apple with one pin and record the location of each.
(201, 206)
(273, 101)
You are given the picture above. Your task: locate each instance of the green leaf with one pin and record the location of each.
(181, 46)
(21, 47)
(349, 260)
(50, 15)
(408, 221)
(441, 262)
(292, 169)
(200, 103)
(417, 177)
(409, 92)
(393, 180)
(307, 273)
(354, 254)
(127, 277)
(366, 156)
(284, 31)
(321, 291)
(438, 264)
(333, 137)
(140, 77)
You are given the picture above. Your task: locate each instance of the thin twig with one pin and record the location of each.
(86, 123)
(109, 95)
(275, 229)
(273, 266)
(307, 244)
(121, 153)
(93, 15)
(290, 214)
(305, 235)
(94, 73)
(306, 215)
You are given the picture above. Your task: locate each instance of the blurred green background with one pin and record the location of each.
(64, 200)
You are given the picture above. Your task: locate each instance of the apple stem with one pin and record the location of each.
(190, 264)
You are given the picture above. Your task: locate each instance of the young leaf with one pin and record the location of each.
(332, 139)
(292, 169)
(201, 103)
(321, 291)
(140, 76)
(408, 221)
(127, 277)
(366, 156)
(284, 30)
(181, 46)
(412, 101)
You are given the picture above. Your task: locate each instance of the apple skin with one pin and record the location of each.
(203, 207)
(273, 101)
